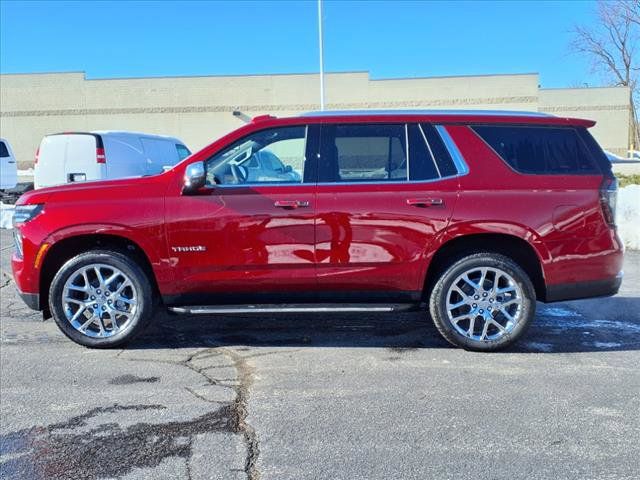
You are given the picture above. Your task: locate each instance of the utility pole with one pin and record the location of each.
(321, 44)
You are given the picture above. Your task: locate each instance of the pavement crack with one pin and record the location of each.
(6, 280)
(203, 398)
(240, 408)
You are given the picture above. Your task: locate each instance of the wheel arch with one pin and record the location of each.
(66, 248)
(515, 247)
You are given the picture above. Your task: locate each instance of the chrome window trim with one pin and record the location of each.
(456, 156)
(433, 157)
(387, 182)
(324, 184)
(260, 184)
(458, 160)
(304, 152)
(406, 147)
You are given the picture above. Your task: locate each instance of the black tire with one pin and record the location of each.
(438, 301)
(145, 302)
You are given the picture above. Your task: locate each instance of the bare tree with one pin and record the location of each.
(611, 46)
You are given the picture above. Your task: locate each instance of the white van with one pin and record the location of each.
(8, 166)
(103, 155)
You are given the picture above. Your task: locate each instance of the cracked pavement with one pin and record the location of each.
(323, 397)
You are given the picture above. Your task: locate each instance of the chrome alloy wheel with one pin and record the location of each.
(484, 304)
(99, 300)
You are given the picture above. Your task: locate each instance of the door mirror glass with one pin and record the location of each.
(194, 178)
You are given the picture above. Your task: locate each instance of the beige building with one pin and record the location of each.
(199, 109)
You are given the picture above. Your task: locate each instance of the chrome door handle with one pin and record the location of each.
(291, 204)
(425, 202)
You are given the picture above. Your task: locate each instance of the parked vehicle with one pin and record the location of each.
(102, 155)
(8, 166)
(474, 214)
(613, 157)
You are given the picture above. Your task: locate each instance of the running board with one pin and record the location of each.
(298, 308)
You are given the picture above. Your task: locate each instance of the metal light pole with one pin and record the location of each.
(321, 43)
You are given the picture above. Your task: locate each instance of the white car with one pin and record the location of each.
(104, 155)
(8, 166)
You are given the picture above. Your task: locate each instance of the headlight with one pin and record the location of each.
(24, 213)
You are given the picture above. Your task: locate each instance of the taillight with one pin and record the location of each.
(100, 158)
(608, 199)
(35, 161)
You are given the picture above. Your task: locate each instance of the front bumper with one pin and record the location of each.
(31, 299)
(575, 291)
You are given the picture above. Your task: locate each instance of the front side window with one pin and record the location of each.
(539, 150)
(4, 151)
(361, 153)
(276, 155)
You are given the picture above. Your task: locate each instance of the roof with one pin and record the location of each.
(442, 116)
(117, 132)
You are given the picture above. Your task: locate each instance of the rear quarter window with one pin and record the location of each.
(540, 150)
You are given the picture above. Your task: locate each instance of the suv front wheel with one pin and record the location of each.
(101, 299)
(483, 301)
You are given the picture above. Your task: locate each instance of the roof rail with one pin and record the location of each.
(502, 113)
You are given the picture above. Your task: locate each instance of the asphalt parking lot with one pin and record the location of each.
(339, 397)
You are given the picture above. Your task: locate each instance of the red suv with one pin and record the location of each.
(472, 216)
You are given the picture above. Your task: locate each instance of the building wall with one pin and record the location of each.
(199, 109)
(608, 106)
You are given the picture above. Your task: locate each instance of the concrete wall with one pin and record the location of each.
(198, 109)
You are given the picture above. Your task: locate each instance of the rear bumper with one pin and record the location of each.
(575, 291)
(31, 299)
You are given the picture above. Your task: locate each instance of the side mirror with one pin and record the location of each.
(288, 169)
(194, 178)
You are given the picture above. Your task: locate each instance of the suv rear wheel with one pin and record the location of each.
(483, 301)
(101, 299)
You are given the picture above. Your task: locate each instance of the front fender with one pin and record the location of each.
(150, 245)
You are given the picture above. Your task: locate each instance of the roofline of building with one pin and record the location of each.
(349, 72)
(611, 87)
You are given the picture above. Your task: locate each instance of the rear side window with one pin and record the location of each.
(4, 151)
(539, 150)
(439, 151)
(595, 150)
(421, 163)
(363, 153)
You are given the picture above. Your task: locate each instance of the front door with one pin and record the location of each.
(384, 193)
(249, 238)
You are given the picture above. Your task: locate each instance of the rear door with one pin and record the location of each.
(85, 158)
(69, 157)
(8, 167)
(383, 195)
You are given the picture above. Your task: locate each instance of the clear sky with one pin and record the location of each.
(387, 38)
